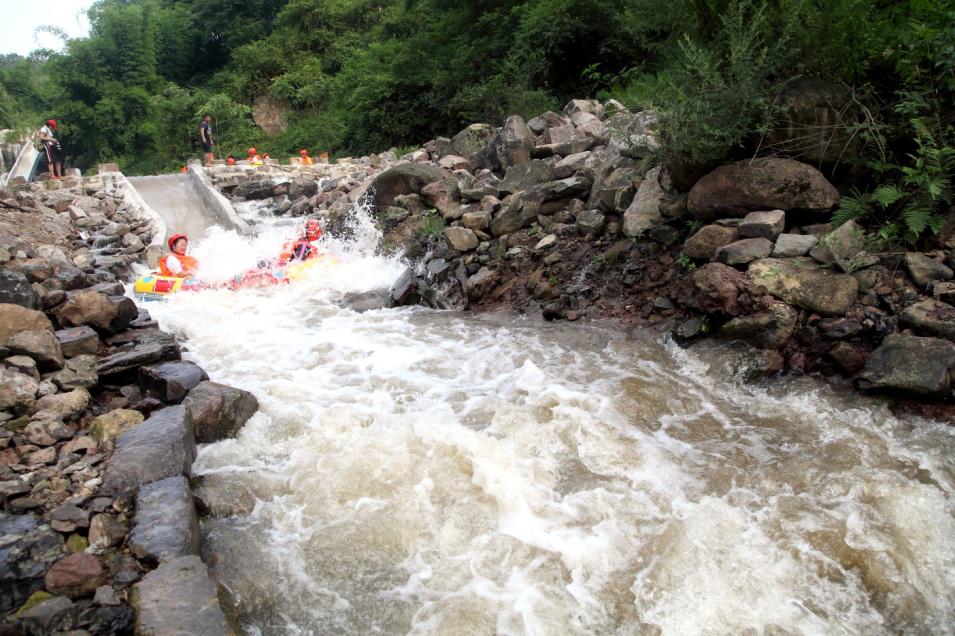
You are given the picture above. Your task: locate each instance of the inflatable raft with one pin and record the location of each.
(155, 286)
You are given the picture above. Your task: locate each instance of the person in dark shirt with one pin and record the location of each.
(205, 135)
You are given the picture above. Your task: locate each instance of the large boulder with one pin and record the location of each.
(469, 141)
(166, 525)
(403, 179)
(643, 213)
(219, 411)
(105, 313)
(510, 147)
(28, 547)
(761, 184)
(162, 446)
(912, 364)
(480, 284)
(257, 189)
(178, 597)
(16, 289)
(123, 361)
(517, 211)
(799, 282)
(41, 345)
(708, 239)
(170, 381)
(717, 289)
(460, 239)
(15, 318)
(613, 191)
(930, 317)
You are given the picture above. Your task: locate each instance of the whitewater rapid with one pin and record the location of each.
(422, 472)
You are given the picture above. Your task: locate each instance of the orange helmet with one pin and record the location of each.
(175, 237)
(251, 151)
(313, 230)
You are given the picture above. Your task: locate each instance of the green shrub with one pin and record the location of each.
(432, 225)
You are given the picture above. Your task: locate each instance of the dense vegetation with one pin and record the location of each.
(364, 75)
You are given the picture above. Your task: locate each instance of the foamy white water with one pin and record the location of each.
(417, 472)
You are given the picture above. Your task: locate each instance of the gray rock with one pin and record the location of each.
(178, 597)
(930, 317)
(792, 245)
(106, 313)
(591, 222)
(925, 270)
(765, 224)
(123, 361)
(54, 615)
(460, 239)
(517, 211)
(744, 251)
(798, 282)
(571, 164)
(16, 289)
(166, 526)
(67, 518)
(162, 446)
(404, 179)
(40, 344)
(28, 547)
(769, 329)
(64, 406)
(912, 364)
(707, 240)
(403, 291)
(591, 106)
(219, 411)
(523, 176)
(633, 134)
(78, 373)
(844, 246)
(472, 139)
(480, 220)
(510, 147)
(170, 381)
(643, 214)
(23, 364)
(17, 391)
(561, 188)
(613, 192)
(359, 302)
(77, 341)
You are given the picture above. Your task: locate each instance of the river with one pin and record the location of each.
(422, 472)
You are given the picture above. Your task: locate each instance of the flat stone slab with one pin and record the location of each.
(162, 446)
(166, 525)
(178, 598)
(931, 318)
(799, 282)
(126, 360)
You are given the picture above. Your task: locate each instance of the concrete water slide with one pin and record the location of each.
(24, 167)
(187, 203)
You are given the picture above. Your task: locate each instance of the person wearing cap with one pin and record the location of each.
(205, 136)
(254, 158)
(52, 149)
(177, 263)
(306, 160)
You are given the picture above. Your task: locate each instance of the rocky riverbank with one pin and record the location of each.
(99, 420)
(568, 217)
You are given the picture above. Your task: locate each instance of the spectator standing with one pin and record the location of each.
(205, 135)
(52, 149)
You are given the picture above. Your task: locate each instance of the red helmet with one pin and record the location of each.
(51, 123)
(313, 229)
(251, 151)
(175, 237)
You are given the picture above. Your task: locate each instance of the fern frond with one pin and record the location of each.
(886, 195)
(917, 217)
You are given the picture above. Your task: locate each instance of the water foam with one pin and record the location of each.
(428, 473)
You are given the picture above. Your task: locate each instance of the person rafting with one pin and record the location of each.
(304, 247)
(177, 263)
